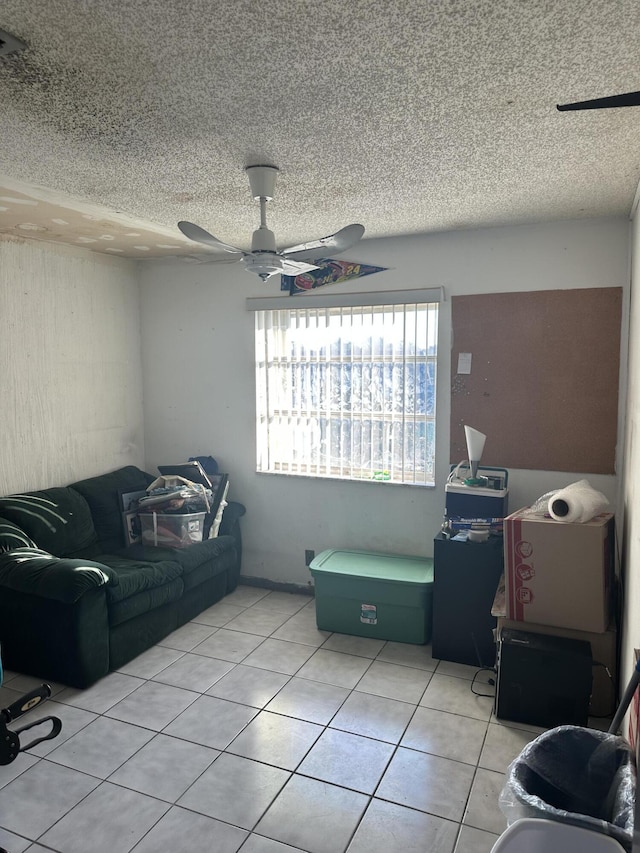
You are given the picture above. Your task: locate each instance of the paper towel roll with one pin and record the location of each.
(577, 503)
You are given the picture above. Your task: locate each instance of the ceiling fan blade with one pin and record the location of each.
(211, 258)
(630, 99)
(291, 267)
(199, 235)
(331, 245)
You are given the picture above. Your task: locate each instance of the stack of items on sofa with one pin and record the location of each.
(556, 629)
(177, 510)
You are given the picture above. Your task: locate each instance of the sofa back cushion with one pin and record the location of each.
(57, 520)
(102, 494)
(12, 537)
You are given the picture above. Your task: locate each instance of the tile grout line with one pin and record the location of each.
(325, 727)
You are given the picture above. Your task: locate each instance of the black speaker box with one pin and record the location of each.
(543, 680)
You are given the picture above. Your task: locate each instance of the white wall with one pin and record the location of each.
(70, 365)
(631, 485)
(199, 382)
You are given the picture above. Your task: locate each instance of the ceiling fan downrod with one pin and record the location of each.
(263, 239)
(262, 182)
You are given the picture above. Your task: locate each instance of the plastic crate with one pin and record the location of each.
(369, 594)
(171, 530)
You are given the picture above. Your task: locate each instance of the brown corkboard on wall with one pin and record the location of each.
(544, 375)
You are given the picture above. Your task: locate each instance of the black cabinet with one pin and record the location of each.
(465, 579)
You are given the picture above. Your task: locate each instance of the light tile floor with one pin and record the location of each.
(250, 730)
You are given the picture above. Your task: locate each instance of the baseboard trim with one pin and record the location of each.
(278, 586)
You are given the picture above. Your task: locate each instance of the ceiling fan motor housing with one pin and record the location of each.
(263, 264)
(263, 240)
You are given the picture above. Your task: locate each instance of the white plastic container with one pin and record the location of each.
(537, 835)
(171, 530)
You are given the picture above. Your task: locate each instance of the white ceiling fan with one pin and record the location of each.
(265, 259)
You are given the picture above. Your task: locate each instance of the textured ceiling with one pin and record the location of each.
(123, 116)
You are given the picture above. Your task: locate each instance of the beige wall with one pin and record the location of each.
(70, 365)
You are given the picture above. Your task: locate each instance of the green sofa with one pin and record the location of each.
(75, 603)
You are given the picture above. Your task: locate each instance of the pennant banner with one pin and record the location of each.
(328, 272)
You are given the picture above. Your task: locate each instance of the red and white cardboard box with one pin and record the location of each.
(558, 573)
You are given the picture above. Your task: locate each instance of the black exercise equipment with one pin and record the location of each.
(10, 745)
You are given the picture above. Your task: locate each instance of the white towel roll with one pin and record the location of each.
(577, 503)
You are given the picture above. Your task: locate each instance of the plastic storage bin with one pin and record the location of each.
(171, 530)
(579, 777)
(549, 836)
(370, 594)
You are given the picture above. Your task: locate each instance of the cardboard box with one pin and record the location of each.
(557, 573)
(603, 651)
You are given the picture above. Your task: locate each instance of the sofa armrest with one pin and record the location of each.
(54, 622)
(230, 526)
(36, 572)
(232, 512)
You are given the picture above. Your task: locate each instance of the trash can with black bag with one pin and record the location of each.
(578, 776)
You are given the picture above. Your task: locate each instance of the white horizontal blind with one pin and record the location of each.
(347, 392)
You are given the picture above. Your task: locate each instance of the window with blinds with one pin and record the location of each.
(347, 392)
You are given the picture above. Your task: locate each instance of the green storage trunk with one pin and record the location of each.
(374, 595)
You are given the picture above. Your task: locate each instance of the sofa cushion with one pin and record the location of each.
(58, 520)
(102, 493)
(11, 537)
(225, 562)
(136, 576)
(198, 562)
(35, 572)
(103, 497)
(142, 586)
